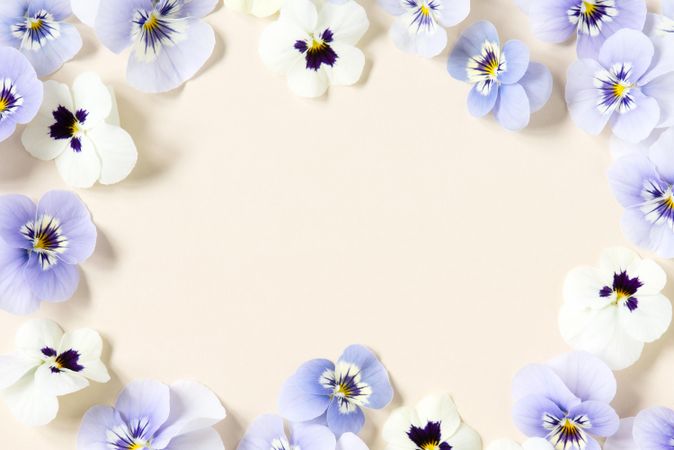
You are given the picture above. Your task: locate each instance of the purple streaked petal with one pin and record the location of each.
(96, 424)
(550, 20)
(637, 124)
(15, 212)
(60, 9)
(302, 396)
(469, 45)
(586, 376)
(372, 372)
(627, 177)
(427, 45)
(629, 46)
(198, 8)
(662, 90)
(512, 107)
(340, 422)
(654, 428)
(145, 404)
(661, 154)
(516, 54)
(529, 412)
(55, 53)
(114, 22)
(261, 432)
(603, 419)
(56, 284)
(537, 83)
(589, 46)
(656, 238)
(480, 105)
(663, 59)
(582, 96)
(632, 15)
(310, 436)
(16, 295)
(541, 381)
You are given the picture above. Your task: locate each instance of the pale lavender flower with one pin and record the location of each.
(20, 91)
(651, 429)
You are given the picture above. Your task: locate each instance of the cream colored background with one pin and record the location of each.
(260, 230)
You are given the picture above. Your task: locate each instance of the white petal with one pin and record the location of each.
(276, 46)
(37, 334)
(113, 118)
(650, 320)
(13, 367)
(29, 405)
(622, 350)
(116, 150)
(440, 408)
(58, 383)
(537, 444)
(396, 428)
(582, 286)
(586, 329)
(90, 94)
(55, 95)
(504, 444)
(80, 169)
(37, 141)
(347, 21)
(265, 8)
(85, 10)
(651, 275)
(207, 439)
(350, 441)
(618, 259)
(306, 82)
(301, 13)
(348, 68)
(465, 439)
(90, 346)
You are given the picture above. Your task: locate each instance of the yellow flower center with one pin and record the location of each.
(589, 8)
(3, 104)
(35, 24)
(316, 45)
(136, 446)
(151, 24)
(425, 10)
(343, 391)
(430, 446)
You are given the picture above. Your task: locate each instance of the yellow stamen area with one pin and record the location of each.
(150, 24)
(343, 390)
(568, 427)
(619, 90)
(74, 128)
(35, 24)
(316, 45)
(136, 447)
(425, 10)
(621, 295)
(669, 203)
(40, 243)
(430, 446)
(3, 105)
(492, 68)
(589, 8)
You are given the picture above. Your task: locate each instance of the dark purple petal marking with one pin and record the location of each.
(483, 70)
(632, 304)
(67, 126)
(567, 433)
(131, 436)
(590, 15)
(46, 240)
(162, 25)
(428, 437)
(68, 360)
(422, 14)
(624, 289)
(10, 100)
(36, 30)
(48, 352)
(658, 205)
(318, 50)
(615, 89)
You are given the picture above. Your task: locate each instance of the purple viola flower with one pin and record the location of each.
(40, 248)
(566, 401)
(151, 415)
(504, 80)
(643, 183)
(593, 21)
(169, 41)
(20, 91)
(37, 28)
(336, 392)
(654, 429)
(628, 86)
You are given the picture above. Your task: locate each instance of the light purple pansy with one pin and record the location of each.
(152, 415)
(38, 29)
(40, 248)
(643, 183)
(420, 25)
(334, 393)
(269, 432)
(566, 401)
(504, 80)
(170, 41)
(629, 86)
(593, 21)
(20, 91)
(651, 429)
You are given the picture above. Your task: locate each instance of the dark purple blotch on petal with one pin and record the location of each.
(48, 352)
(66, 125)
(318, 51)
(624, 287)
(428, 437)
(67, 360)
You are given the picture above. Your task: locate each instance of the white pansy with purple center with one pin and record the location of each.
(433, 424)
(79, 130)
(170, 42)
(420, 25)
(566, 401)
(149, 415)
(47, 364)
(335, 393)
(593, 21)
(39, 30)
(313, 44)
(627, 87)
(612, 310)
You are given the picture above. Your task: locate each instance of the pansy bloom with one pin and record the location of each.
(566, 401)
(651, 429)
(612, 310)
(628, 86)
(152, 415)
(316, 48)
(39, 31)
(40, 248)
(20, 91)
(86, 10)
(336, 392)
(420, 24)
(643, 183)
(78, 129)
(258, 8)
(268, 432)
(434, 424)
(529, 444)
(47, 364)
(170, 41)
(593, 21)
(502, 77)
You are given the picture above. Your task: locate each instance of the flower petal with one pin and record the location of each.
(312, 436)
(662, 90)
(80, 169)
(516, 54)
(582, 97)
(603, 419)
(636, 125)
(650, 320)
(86, 10)
(454, 13)
(537, 83)
(114, 22)
(529, 413)
(340, 422)
(148, 400)
(37, 141)
(15, 366)
(465, 439)
(348, 68)
(550, 20)
(56, 52)
(90, 94)
(306, 82)
(469, 45)
(29, 404)
(37, 334)
(58, 383)
(582, 286)
(200, 8)
(512, 107)
(628, 46)
(16, 295)
(300, 13)
(15, 212)
(347, 21)
(89, 345)
(261, 432)
(206, 439)
(276, 46)
(480, 105)
(116, 150)
(537, 444)
(96, 424)
(586, 376)
(439, 408)
(541, 381)
(302, 397)
(427, 45)
(653, 428)
(372, 372)
(396, 427)
(350, 441)
(54, 285)
(622, 439)
(586, 329)
(622, 351)
(662, 155)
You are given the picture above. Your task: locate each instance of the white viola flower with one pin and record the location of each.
(47, 364)
(434, 424)
(313, 43)
(529, 444)
(258, 8)
(79, 129)
(612, 310)
(85, 10)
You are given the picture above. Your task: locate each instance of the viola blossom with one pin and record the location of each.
(315, 47)
(48, 364)
(336, 392)
(38, 29)
(593, 21)
(566, 401)
(651, 429)
(529, 444)
(627, 86)
(79, 130)
(86, 10)
(420, 25)
(40, 248)
(612, 310)
(169, 40)
(502, 77)
(20, 91)
(434, 424)
(152, 415)
(268, 432)
(643, 183)
(258, 8)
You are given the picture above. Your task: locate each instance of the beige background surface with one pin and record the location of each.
(260, 230)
